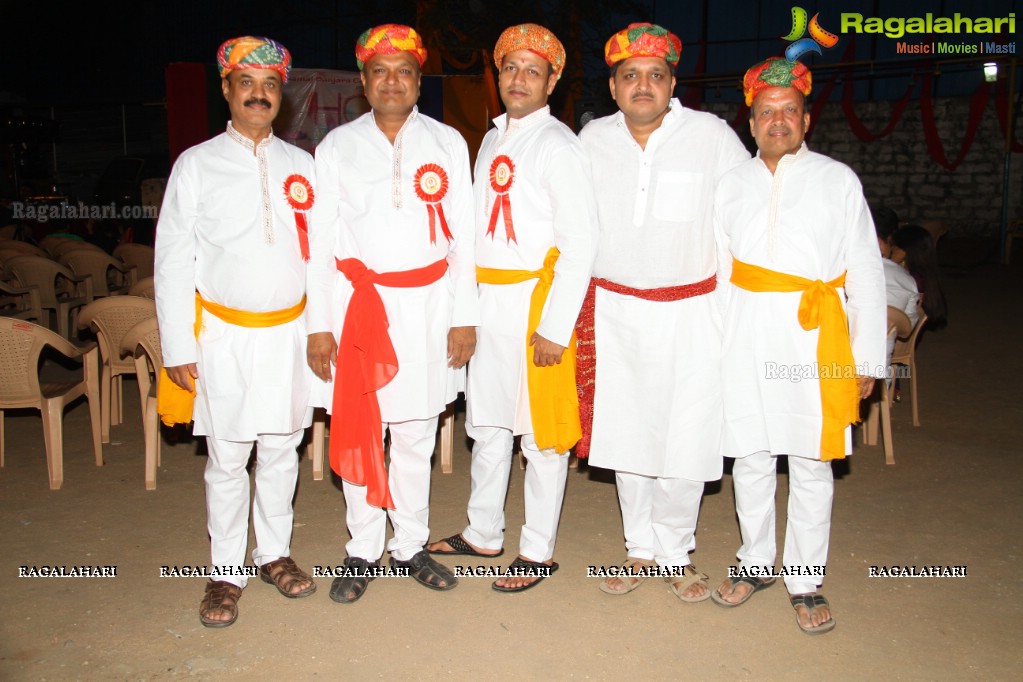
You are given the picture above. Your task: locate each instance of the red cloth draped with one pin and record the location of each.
(366, 362)
(977, 105)
(586, 347)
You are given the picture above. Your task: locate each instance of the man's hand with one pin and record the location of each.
(184, 375)
(866, 386)
(545, 353)
(461, 345)
(321, 350)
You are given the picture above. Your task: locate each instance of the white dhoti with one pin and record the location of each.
(659, 516)
(808, 528)
(408, 478)
(544, 492)
(227, 500)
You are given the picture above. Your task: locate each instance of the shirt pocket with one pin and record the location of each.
(677, 196)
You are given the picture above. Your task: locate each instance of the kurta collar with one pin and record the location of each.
(408, 121)
(246, 142)
(507, 125)
(788, 158)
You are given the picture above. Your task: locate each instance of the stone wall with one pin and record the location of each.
(898, 171)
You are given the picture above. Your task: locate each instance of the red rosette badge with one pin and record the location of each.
(299, 194)
(502, 174)
(431, 183)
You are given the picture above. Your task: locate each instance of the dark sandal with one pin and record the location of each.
(427, 571)
(220, 596)
(459, 546)
(285, 572)
(358, 573)
(524, 568)
(811, 602)
(756, 583)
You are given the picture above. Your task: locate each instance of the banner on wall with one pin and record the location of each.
(315, 102)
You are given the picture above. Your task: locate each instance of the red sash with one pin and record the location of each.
(366, 362)
(586, 347)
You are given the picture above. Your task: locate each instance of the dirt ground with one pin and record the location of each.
(952, 498)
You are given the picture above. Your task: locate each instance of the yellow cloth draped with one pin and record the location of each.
(819, 307)
(173, 403)
(553, 400)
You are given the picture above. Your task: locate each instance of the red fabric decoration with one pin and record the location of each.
(502, 174)
(366, 362)
(299, 193)
(431, 184)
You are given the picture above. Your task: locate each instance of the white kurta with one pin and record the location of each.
(227, 231)
(552, 204)
(368, 208)
(808, 219)
(657, 395)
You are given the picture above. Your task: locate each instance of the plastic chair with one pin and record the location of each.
(139, 255)
(20, 302)
(110, 276)
(112, 318)
(898, 323)
(20, 346)
(447, 441)
(50, 242)
(73, 245)
(142, 343)
(22, 248)
(60, 290)
(905, 354)
(145, 288)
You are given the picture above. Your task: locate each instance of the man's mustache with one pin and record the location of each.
(258, 100)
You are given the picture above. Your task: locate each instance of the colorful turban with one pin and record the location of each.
(643, 40)
(534, 38)
(776, 72)
(389, 39)
(252, 52)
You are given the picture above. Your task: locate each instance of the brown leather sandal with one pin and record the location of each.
(283, 573)
(220, 596)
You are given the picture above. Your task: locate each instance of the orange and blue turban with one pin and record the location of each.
(254, 52)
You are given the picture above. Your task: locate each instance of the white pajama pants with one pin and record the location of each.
(808, 529)
(544, 492)
(659, 516)
(227, 499)
(408, 478)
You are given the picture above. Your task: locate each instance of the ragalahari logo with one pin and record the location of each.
(818, 36)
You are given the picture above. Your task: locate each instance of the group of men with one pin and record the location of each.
(622, 292)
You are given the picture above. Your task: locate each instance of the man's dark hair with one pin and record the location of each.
(886, 221)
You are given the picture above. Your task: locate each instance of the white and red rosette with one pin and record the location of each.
(299, 193)
(502, 174)
(431, 184)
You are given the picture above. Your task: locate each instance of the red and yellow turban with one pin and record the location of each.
(643, 40)
(776, 72)
(389, 39)
(253, 52)
(534, 38)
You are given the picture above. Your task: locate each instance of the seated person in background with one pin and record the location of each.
(914, 249)
(900, 287)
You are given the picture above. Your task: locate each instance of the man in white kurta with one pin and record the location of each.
(533, 193)
(228, 232)
(657, 397)
(798, 218)
(395, 196)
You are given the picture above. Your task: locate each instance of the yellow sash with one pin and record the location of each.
(553, 400)
(173, 403)
(819, 306)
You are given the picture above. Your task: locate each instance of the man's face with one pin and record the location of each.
(526, 81)
(779, 122)
(391, 82)
(642, 88)
(254, 98)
